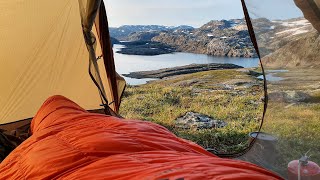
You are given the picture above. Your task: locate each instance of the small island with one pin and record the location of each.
(188, 69)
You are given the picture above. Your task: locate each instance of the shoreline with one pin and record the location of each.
(154, 48)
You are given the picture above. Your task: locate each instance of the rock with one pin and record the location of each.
(242, 83)
(255, 102)
(289, 96)
(277, 96)
(193, 120)
(297, 96)
(237, 93)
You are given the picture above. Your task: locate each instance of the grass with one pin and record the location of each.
(298, 130)
(296, 125)
(164, 101)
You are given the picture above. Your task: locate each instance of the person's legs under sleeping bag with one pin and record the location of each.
(68, 142)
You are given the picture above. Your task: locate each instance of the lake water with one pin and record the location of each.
(131, 63)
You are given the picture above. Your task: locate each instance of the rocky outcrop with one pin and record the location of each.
(146, 48)
(193, 120)
(230, 48)
(188, 69)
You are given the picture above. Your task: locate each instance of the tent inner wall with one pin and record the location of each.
(43, 53)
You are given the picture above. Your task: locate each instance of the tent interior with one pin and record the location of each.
(64, 47)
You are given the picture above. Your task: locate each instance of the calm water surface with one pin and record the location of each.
(131, 63)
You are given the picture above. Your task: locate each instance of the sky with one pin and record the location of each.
(192, 12)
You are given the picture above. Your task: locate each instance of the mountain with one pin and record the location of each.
(218, 38)
(122, 33)
(276, 39)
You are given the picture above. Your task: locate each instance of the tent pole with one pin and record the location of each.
(256, 47)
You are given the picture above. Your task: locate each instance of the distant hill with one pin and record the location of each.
(114, 41)
(273, 35)
(122, 33)
(301, 52)
(288, 43)
(276, 39)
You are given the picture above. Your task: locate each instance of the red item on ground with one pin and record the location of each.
(308, 171)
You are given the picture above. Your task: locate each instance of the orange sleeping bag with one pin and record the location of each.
(68, 142)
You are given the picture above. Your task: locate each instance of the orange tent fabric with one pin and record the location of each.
(68, 142)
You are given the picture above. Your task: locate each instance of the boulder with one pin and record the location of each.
(192, 120)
